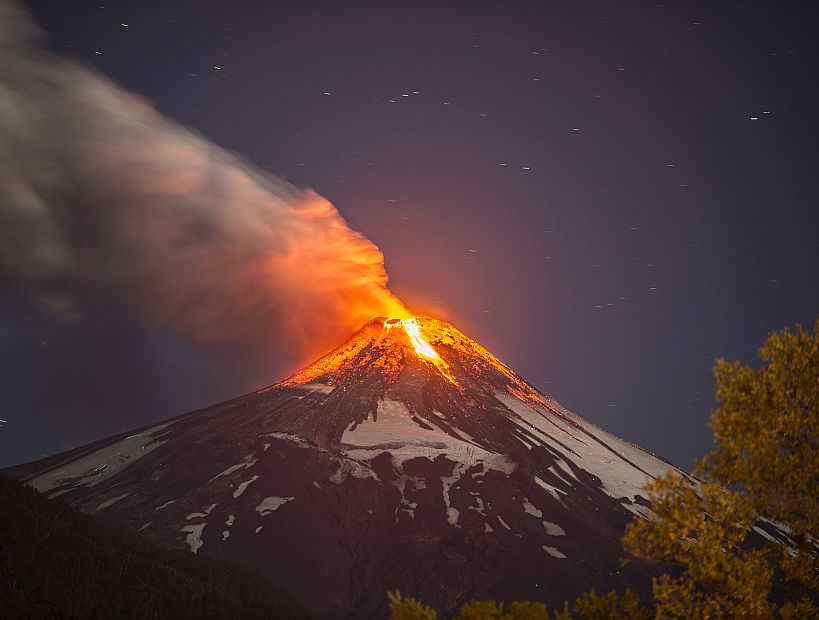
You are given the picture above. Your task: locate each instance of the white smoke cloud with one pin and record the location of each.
(102, 200)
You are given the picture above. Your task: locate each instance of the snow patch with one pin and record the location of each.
(403, 504)
(459, 434)
(623, 468)
(558, 475)
(299, 441)
(504, 523)
(553, 529)
(551, 489)
(480, 508)
(452, 513)
(225, 535)
(230, 520)
(393, 421)
(108, 503)
(554, 552)
(766, 535)
(242, 486)
(271, 504)
(246, 464)
(394, 431)
(194, 536)
(529, 508)
(346, 468)
(199, 515)
(229, 471)
(144, 525)
(101, 464)
(165, 505)
(563, 468)
(258, 529)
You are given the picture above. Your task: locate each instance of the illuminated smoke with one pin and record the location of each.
(104, 202)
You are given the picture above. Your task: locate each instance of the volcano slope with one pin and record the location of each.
(407, 458)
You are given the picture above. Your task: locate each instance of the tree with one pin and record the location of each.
(490, 610)
(408, 608)
(765, 465)
(767, 434)
(609, 607)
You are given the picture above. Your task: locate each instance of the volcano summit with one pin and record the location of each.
(407, 458)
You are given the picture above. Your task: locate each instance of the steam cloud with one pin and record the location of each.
(102, 200)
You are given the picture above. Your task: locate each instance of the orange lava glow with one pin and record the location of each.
(421, 346)
(411, 327)
(388, 344)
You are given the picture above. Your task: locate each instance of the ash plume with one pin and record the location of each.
(105, 202)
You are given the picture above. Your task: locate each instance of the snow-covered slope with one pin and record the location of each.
(409, 457)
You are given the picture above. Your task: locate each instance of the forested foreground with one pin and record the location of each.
(56, 562)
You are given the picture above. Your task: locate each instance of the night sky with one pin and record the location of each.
(608, 196)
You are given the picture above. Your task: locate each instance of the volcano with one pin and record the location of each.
(407, 458)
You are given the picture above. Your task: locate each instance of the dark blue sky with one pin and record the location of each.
(607, 195)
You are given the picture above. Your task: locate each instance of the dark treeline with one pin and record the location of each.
(56, 562)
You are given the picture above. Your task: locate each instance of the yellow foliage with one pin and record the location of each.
(490, 610)
(611, 606)
(702, 529)
(765, 464)
(409, 608)
(766, 430)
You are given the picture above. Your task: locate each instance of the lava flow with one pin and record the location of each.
(411, 327)
(421, 346)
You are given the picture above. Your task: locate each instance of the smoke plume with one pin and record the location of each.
(105, 202)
